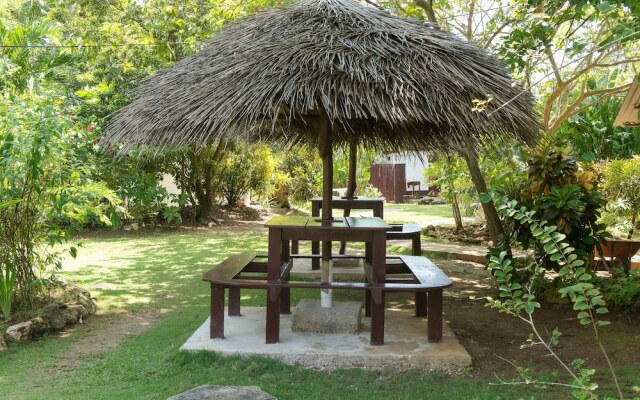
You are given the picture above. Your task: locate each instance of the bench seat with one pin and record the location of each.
(249, 272)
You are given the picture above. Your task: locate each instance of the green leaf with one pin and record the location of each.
(604, 6)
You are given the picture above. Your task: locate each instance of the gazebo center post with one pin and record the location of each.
(325, 147)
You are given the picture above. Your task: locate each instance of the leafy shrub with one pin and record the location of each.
(621, 186)
(564, 194)
(297, 178)
(249, 169)
(46, 191)
(621, 291)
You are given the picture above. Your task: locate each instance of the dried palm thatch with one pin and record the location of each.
(383, 81)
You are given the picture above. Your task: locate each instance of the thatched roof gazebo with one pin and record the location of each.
(377, 79)
(329, 72)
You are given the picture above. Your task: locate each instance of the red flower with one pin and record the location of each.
(90, 128)
(110, 153)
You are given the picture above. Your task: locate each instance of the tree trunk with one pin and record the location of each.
(490, 213)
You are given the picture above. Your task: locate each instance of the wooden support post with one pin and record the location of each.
(434, 316)
(421, 304)
(216, 326)
(234, 302)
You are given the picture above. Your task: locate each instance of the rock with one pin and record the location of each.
(40, 326)
(19, 332)
(82, 311)
(88, 304)
(55, 315)
(206, 392)
(3, 344)
(71, 315)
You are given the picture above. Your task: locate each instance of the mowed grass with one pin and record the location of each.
(151, 271)
(406, 213)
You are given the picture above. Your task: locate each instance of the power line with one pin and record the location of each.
(83, 46)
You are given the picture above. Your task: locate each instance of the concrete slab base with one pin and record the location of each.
(343, 317)
(210, 392)
(406, 345)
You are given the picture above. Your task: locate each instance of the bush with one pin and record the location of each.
(564, 194)
(621, 186)
(46, 190)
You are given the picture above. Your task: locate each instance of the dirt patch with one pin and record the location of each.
(103, 333)
(471, 233)
(495, 340)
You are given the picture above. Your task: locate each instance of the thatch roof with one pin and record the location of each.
(384, 81)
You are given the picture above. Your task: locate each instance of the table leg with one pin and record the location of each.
(285, 293)
(274, 263)
(377, 318)
(379, 266)
(295, 247)
(273, 316)
(367, 303)
(421, 304)
(434, 316)
(216, 326)
(234, 302)
(315, 246)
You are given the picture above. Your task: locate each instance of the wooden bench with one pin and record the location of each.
(407, 231)
(421, 276)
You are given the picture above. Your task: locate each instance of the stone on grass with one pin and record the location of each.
(40, 326)
(343, 317)
(206, 392)
(19, 332)
(55, 315)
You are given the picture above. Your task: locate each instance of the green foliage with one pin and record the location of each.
(46, 191)
(591, 133)
(621, 185)
(297, 177)
(248, 169)
(561, 193)
(621, 291)
(365, 158)
(7, 284)
(516, 296)
(452, 176)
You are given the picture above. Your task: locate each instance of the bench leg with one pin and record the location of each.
(377, 319)
(367, 303)
(216, 327)
(416, 247)
(315, 262)
(234, 302)
(434, 316)
(273, 316)
(295, 248)
(421, 304)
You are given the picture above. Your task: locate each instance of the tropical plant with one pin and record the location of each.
(621, 186)
(46, 191)
(563, 194)
(517, 295)
(248, 170)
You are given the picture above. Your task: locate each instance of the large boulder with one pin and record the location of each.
(19, 332)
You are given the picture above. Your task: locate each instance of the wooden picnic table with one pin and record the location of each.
(376, 204)
(283, 230)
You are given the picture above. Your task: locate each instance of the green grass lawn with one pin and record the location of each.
(406, 213)
(145, 272)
